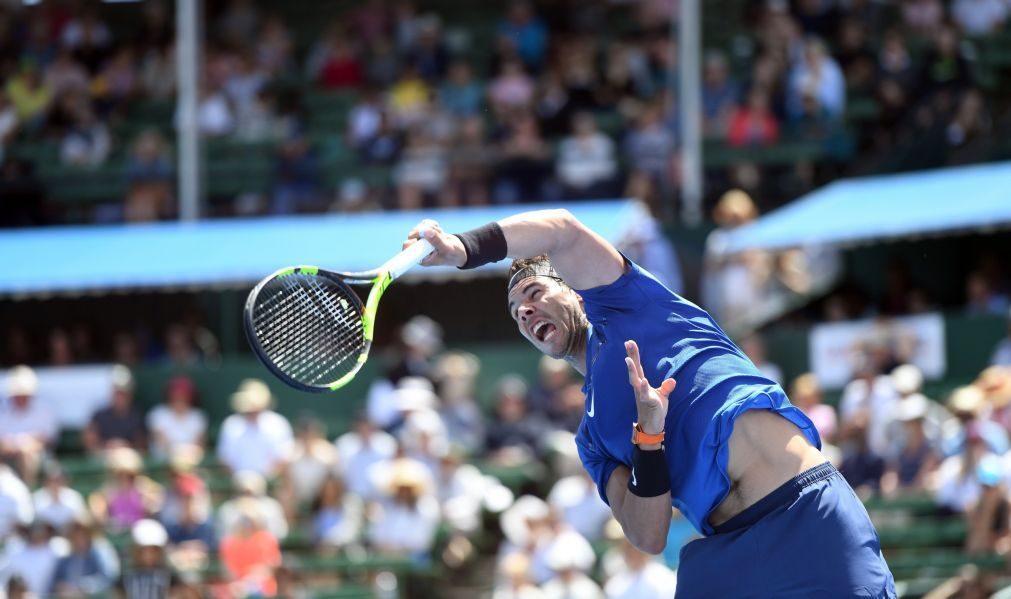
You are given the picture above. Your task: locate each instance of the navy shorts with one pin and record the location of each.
(811, 537)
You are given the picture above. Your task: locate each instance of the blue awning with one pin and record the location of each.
(886, 207)
(237, 251)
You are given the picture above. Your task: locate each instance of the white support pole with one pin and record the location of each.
(690, 106)
(187, 98)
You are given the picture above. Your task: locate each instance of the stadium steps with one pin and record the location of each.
(936, 562)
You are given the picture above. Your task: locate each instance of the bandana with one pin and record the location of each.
(537, 269)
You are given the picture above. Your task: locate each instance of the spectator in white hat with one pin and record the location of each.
(148, 577)
(576, 501)
(405, 522)
(120, 423)
(251, 489)
(33, 557)
(514, 579)
(56, 503)
(361, 449)
(254, 437)
(27, 426)
(916, 456)
(643, 576)
(570, 557)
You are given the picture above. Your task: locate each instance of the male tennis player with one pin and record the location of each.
(723, 445)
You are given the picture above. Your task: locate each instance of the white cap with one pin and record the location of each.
(21, 380)
(911, 407)
(122, 378)
(515, 520)
(149, 533)
(907, 379)
(570, 551)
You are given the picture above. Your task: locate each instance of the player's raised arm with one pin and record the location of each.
(581, 257)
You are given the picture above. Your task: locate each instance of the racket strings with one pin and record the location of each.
(309, 328)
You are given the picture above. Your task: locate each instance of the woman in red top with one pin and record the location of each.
(251, 554)
(753, 124)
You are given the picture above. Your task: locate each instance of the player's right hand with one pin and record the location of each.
(449, 249)
(650, 403)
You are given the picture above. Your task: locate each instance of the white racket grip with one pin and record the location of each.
(408, 259)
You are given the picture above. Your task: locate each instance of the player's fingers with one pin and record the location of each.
(633, 353)
(667, 387)
(633, 377)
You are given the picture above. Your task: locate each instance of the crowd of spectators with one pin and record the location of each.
(545, 109)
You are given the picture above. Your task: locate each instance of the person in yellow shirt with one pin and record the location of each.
(29, 94)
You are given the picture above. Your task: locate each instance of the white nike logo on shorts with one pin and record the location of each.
(634, 484)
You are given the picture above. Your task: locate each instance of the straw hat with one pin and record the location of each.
(995, 382)
(253, 396)
(185, 458)
(966, 400)
(247, 481)
(570, 551)
(21, 381)
(911, 408)
(410, 474)
(123, 459)
(907, 379)
(515, 520)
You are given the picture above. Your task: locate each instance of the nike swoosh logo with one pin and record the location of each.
(591, 410)
(634, 484)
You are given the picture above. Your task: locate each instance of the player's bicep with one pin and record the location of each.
(586, 260)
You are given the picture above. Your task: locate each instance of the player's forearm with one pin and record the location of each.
(644, 520)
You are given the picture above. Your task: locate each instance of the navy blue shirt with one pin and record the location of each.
(715, 383)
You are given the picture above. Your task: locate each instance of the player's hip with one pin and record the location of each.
(811, 536)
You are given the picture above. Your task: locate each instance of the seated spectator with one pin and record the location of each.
(85, 570)
(995, 383)
(462, 491)
(15, 499)
(88, 36)
(979, 17)
(514, 435)
(471, 159)
(513, 580)
(177, 422)
(430, 55)
(649, 146)
(119, 424)
(512, 89)
(336, 515)
(958, 485)
(405, 521)
(158, 73)
(27, 426)
(297, 180)
(55, 502)
(855, 57)
(567, 562)
(149, 179)
(524, 167)
(251, 489)
(805, 393)
(254, 437)
(245, 83)
(29, 95)
(524, 31)
(408, 98)
(313, 460)
(861, 467)
(575, 500)
(127, 496)
(65, 75)
(917, 456)
(460, 95)
(944, 68)
(365, 118)
(816, 73)
(641, 576)
(866, 402)
(456, 374)
(215, 116)
(586, 164)
(360, 449)
(250, 553)
(922, 17)
(33, 558)
(185, 486)
(982, 298)
(968, 405)
(118, 82)
(720, 94)
(421, 171)
(191, 537)
(333, 63)
(553, 376)
(149, 574)
(384, 147)
(753, 124)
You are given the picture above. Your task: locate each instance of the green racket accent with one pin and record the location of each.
(379, 285)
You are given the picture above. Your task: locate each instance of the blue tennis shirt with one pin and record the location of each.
(715, 383)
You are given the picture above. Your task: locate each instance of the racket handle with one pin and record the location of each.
(408, 259)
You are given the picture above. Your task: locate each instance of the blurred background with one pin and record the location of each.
(824, 176)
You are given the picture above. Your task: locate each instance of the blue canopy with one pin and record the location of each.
(237, 251)
(886, 207)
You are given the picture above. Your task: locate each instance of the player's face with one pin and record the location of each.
(548, 314)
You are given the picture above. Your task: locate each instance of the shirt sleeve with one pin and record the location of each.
(631, 291)
(598, 465)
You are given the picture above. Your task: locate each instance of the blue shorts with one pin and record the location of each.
(811, 537)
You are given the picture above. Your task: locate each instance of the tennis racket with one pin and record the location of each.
(311, 329)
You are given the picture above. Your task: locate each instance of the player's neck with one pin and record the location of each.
(576, 352)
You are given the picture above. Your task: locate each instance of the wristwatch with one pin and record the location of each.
(641, 438)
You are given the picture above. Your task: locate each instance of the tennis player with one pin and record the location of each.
(723, 444)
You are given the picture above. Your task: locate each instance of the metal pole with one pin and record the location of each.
(690, 106)
(187, 99)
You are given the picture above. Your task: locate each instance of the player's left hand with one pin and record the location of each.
(651, 403)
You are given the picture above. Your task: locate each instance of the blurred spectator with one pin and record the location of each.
(944, 68)
(575, 500)
(332, 63)
(149, 179)
(430, 54)
(215, 116)
(405, 522)
(514, 435)
(512, 89)
(254, 437)
(191, 537)
(381, 62)
(732, 285)
(861, 467)
(85, 570)
(460, 95)
(421, 171)
(65, 75)
(336, 515)
(753, 124)
(907, 380)
(462, 491)
(514, 579)
(158, 73)
(243, 86)
(753, 346)
(88, 37)
(55, 502)
(917, 457)
(177, 422)
(642, 576)
(121, 423)
(127, 496)
(297, 179)
(360, 449)
(720, 94)
(274, 46)
(995, 383)
(33, 557)
(27, 427)
(185, 488)
(554, 375)
(981, 298)
(922, 17)
(643, 240)
(29, 95)
(250, 553)
(586, 164)
(149, 574)
(525, 32)
(365, 118)
(9, 122)
(817, 74)
(313, 460)
(979, 17)
(421, 340)
(855, 57)
(569, 566)
(649, 147)
(457, 374)
(384, 147)
(958, 485)
(15, 499)
(968, 405)
(471, 160)
(251, 490)
(118, 82)
(866, 403)
(805, 393)
(524, 168)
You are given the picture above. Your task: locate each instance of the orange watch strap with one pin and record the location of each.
(639, 437)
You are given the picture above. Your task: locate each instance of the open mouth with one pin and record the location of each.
(543, 330)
